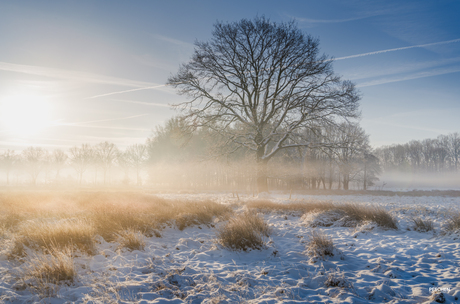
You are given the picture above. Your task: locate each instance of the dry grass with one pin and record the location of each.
(54, 268)
(454, 222)
(320, 245)
(76, 234)
(131, 239)
(244, 231)
(354, 212)
(362, 213)
(40, 220)
(422, 225)
(296, 207)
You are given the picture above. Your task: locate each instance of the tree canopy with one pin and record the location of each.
(261, 84)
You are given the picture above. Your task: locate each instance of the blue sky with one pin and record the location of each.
(98, 67)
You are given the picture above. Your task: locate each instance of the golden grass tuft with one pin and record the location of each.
(320, 245)
(131, 240)
(56, 267)
(40, 219)
(244, 231)
(362, 213)
(71, 233)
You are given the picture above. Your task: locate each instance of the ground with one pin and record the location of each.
(369, 264)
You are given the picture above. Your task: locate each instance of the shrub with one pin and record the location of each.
(131, 240)
(422, 225)
(244, 231)
(320, 245)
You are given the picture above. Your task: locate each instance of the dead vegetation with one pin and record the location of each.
(454, 222)
(43, 271)
(244, 231)
(355, 213)
(131, 240)
(421, 225)
(42, 220)
(320, 245)
(41, 234)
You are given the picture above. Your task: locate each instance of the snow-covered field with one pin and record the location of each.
(370, 265)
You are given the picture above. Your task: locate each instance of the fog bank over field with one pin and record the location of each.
(393, 180)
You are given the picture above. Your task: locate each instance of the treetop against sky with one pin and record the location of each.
(75, 72)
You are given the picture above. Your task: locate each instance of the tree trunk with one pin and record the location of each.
(346, 180)
(262, 183)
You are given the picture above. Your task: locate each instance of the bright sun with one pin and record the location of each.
(24, 115)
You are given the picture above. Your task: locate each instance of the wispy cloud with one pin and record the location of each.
(398, 49)
(431, 73)
(398, 68)
(71, 75)
(158, 86)
(172, 40)
(84, 124)
(308, 20)
(152, 104)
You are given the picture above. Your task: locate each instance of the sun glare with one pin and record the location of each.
(24, 115)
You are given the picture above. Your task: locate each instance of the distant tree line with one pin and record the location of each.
(441, 154)
(339, 157)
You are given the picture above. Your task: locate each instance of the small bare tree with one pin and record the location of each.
(81, 158)
(137, 156)
(34, 161)
(59, 158)
(259, 84)
(107, 154)
(8, 160)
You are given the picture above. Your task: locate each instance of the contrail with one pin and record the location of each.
(339, 58)
(127, 91)
(79, 124)
(71, 75)
(398, 49)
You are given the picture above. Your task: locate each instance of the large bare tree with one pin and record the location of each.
(260, 84)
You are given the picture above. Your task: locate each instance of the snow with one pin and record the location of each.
(369, 265)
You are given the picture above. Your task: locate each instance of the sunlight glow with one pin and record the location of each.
(24, 115)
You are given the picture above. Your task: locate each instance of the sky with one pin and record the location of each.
(74, 72)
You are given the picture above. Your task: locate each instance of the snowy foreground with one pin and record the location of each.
(370, 265)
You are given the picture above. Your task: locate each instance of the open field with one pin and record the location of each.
(130, 247)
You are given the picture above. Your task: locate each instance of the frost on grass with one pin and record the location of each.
(131, 240)
(350, 215)
(44, 272)
(422, 225)
(77, 233)
(320, 246)
(244, 231)
(454, 222)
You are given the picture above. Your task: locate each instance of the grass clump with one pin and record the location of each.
(360, 213)
(131, 240)
(320, 245)
(56, 268)
(244, 231)
(453, 223)
(422, 225)
(75, 234)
